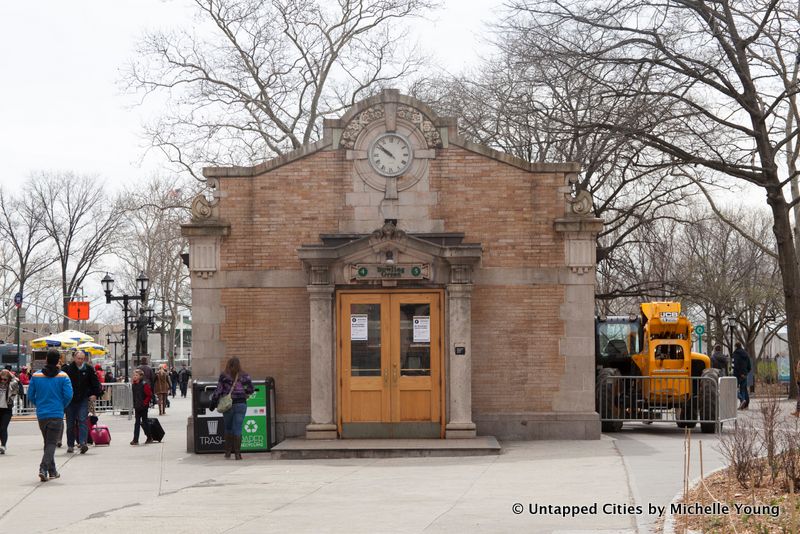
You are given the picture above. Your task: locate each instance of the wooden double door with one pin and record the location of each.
(390, 364)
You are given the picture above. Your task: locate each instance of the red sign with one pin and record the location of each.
(78, 311)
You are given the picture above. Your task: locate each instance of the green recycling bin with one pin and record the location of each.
(258, 427)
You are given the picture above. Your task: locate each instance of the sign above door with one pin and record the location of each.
(387, 271)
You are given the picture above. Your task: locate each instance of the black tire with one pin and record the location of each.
(606, 392)
(708, 393)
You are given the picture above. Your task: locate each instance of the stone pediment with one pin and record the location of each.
(388, 255)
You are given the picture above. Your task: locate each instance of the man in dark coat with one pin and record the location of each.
(183, 378)
(741, 368)
(85, 387)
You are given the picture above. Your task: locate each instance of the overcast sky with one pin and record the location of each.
(62, 106)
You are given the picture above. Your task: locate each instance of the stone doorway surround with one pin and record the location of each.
(449, 264)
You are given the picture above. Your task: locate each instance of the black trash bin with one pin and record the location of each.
(258, 429)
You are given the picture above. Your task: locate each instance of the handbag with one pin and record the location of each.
(225, 402)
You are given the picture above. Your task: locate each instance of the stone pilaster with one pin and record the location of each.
(459, 350)
(323, 422)
(576, 392)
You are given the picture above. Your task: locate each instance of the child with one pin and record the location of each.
(141, 402)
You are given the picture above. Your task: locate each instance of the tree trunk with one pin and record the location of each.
(787, 259)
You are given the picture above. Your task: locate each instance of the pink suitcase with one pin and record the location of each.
(101, 435)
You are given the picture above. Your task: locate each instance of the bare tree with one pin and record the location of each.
(81, 224)
(153, 212)
(726, 274)
(714, 64)
(257, 77)
(22, 227)
(529, 103)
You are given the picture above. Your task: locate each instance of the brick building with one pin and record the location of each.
(398, 280)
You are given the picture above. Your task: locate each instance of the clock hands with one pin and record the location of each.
(386, 151)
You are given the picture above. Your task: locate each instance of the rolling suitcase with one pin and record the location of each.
(101, 435)
(156, 430)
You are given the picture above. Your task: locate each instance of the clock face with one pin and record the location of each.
(390, 154)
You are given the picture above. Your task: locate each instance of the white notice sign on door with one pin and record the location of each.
(422, 329)
(359, 327)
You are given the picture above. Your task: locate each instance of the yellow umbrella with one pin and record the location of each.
(53, 341)
(92, 348)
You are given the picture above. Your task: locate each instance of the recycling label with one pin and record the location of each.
(254, 428)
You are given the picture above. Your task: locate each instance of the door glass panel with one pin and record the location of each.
(415, 339)
(365, 354)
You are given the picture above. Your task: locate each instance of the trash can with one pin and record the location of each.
(258, 428)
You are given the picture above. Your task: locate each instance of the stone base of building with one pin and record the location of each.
(539, 425)
(460, 430)
(321, 431)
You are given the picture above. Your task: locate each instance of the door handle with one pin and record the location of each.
(394, 373)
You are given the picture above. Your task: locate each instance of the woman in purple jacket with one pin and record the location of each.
(235, 381)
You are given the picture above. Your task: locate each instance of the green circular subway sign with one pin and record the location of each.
(699, 329)
(416, 271)
(363, 271)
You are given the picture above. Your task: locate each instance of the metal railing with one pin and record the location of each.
(683, 400)
(117, 398)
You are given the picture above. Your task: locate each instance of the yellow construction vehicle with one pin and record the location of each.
(646, 370)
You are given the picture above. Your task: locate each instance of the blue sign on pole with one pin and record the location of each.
(18, 300)
(783, 368)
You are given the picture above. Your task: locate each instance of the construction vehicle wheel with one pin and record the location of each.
(708, 395)
(606, 392)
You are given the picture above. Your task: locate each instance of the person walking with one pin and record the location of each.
(719, 360)
(183, 377)
(741, 368)
(234, 381)
(163, 385)
(85, 388)
(173, 380)
(9, 389)
(149, 376)
(141, 403)
(50, 390)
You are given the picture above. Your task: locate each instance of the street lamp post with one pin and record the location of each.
(115, 343)
(731, 326)
(142, 283)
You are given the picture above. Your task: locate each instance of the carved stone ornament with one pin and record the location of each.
(388, 232)
(319, 275)
(579, 201)
(204, 209)
(358, 123)
(460, 274)
(416, 117)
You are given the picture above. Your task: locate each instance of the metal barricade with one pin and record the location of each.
(22, 405)
(682, 400)
(728, 402)
(117, 398)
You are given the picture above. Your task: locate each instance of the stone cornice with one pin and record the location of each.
(483, 150)
(390, 96)
(332, 131)
(213, 228)
(589, 225)
(280, 161)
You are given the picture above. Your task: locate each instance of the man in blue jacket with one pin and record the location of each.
(50, 390)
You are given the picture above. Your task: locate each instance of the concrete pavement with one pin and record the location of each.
(122, 488)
